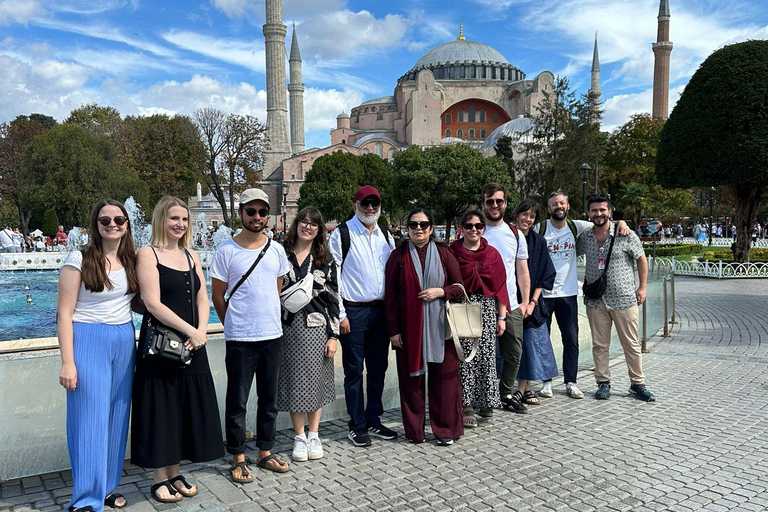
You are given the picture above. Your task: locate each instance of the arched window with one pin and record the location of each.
(460, 133)
(471, 134)
(447, 133)
(378, 148)
(482, 116)
(471, 115)
(495, 118)
(391, 154)
(365, 151)
(448, 118)
(482, 134)
(461, 116)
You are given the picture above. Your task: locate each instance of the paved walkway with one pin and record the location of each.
(702, 446)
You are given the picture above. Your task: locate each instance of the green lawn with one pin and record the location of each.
(689, 257)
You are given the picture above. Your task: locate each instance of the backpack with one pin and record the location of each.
(569, 222)
(346, 242)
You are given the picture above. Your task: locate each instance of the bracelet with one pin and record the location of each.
(501, 318)
(535, 301)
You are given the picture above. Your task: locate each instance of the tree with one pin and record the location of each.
(97, 121)
(446, 179)
(14, 137)
(69, 170)
(50, 222)
(47, 122)
(717, 134)
(232, 155)
(631, 152)
(331, 183)
(163, 151)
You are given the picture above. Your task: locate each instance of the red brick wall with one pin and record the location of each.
(464, 106)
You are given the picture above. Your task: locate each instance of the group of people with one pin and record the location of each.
(12, 240)
(286, 310)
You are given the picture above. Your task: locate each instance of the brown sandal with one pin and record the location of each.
(245, 473)
(171, 489)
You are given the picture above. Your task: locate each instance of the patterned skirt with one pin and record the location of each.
(479, 384)
(306, 375)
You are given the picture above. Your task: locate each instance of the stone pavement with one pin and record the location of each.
(702, 446)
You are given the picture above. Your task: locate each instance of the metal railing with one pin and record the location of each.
(718, 270)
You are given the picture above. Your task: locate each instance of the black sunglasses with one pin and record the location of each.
(423, 224)
(478, 226)
(251, 212)
(106, 221)
(494, 202)
(365, 203)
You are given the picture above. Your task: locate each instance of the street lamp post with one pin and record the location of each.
(711, 220)
(286, 189)
(585, 168)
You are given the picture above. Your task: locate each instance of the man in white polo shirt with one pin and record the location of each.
(361, 249)
(514, 252)
(248, 269)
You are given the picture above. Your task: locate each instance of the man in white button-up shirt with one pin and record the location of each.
(364, 339)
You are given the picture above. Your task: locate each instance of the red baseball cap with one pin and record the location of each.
(366, 191)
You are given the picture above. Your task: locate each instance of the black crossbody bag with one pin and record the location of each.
(166, 344)
(245, 276)
(596, 289)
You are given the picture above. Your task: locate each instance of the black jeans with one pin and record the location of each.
(566, 311)
(367, 343)
(243, 360)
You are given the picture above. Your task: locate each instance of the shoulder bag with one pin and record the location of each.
(596, 289)
(465, 320)
(166, 344)
(299, 294)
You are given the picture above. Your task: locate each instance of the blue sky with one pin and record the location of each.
(145, 57)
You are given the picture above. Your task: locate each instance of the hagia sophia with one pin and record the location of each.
(458, 92)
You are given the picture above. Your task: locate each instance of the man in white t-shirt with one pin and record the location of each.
(514, 251)
(561, 234)
(6, 239)
(252, 329)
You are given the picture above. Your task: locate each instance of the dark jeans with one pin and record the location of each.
(243, 360)
(566, 311)
(367, 342)
(510, 348)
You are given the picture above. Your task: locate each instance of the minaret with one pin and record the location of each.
(661, 49)
(594, 90)
(277, 101)
(296, 93)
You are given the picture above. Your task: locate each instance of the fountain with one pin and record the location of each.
(141, 230)
(220, 236)
(74, 242)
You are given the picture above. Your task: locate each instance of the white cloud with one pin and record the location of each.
(19, 11)
(620, 107)
(248, 54)
(60, 76)
(89, 6)
(322, 106)
(234, 8)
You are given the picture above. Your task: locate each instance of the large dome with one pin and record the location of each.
(460, 51)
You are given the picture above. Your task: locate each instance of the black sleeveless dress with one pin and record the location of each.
(175, 413)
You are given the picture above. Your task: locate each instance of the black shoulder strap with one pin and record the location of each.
(345, 241)
(543, 227)
(191, 287)
(610, 250)
(155, 253)
(245, 276)
(386, 235)
(572, 227)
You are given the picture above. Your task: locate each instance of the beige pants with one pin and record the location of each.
(625, 320)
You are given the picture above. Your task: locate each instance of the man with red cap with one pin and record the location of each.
(361, 249)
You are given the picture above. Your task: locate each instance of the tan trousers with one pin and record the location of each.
(625, 320)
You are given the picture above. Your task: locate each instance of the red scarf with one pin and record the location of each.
(414, 314)
(483, 270)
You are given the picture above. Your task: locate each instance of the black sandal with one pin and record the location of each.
(245, 473)
(530, 398)
(171, 489)
(111, 500)
(185, 492)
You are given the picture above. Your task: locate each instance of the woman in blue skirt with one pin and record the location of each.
(537, 361)
(96, 338)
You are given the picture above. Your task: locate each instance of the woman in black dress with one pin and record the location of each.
(175, 413)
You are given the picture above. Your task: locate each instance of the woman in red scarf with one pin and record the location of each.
(419, 274)
(484, 276)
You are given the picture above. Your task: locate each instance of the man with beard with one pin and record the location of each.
(246, 277)
(561, 234)
(514, 251)
(618, 305)
(361, 249)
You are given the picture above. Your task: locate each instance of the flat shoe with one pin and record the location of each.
(186, 492)
(280, 465)
(171, 489)
(470, 421)
(245, 473)
(111, 500)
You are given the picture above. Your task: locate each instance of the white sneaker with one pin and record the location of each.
(299, 449)
(315, 448)
(546, 390)
(573, 391)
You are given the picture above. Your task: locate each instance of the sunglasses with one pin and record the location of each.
(494, 202)
(251, 212)
(106, 221)
(478, 226)
(367, 203)
(423, 224)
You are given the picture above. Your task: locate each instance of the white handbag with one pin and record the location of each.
(465, 320)
(299, 294)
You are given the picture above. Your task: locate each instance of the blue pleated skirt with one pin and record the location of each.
(538, 359)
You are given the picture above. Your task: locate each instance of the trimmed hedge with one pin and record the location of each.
(667, 250)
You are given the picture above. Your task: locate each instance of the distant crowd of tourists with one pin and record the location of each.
(287, 309)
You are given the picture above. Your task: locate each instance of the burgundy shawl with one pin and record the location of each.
(483, 270)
